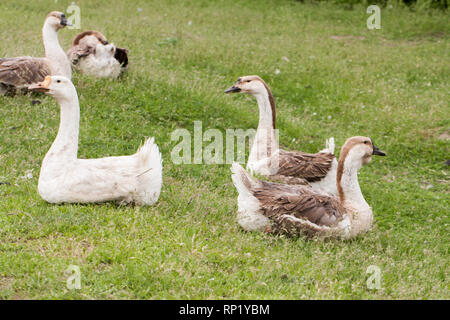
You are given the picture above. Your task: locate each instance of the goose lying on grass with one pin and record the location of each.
(18, 73)
(295, 209)
(267, 159)
(93, 55)
(65, 178)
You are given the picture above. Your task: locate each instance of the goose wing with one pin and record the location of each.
(79, 51)
(103, 179)
(311, 167)
(84, 44)
(298, 208)
(23, 71)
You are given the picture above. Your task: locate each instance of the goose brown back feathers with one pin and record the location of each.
(23, 71)
(278, 201)
(311, 167)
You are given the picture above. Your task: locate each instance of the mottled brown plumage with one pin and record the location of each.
(298, 201)
(311, 167)
(19, 72)
(293, 209)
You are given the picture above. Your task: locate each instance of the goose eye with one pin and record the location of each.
(58, 81)
(248, 81)
(366, 142)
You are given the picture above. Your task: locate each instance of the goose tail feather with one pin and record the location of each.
(242, 180)
(150, 163)
(329, 146)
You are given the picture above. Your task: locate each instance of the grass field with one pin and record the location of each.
(335, 78)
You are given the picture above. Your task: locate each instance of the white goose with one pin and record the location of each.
(266, 158)
(295, 209)
(93, 55)
(66, 179)
(20, 72)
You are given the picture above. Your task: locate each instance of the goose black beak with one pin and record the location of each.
(64, 21)
(377, 152)
(233, 89)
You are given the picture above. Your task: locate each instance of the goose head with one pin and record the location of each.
(57, 20)
(256, 86)
(105, 51)
(59, 87)
(253, 85)
(358, 151)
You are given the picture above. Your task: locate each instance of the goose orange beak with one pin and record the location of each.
(43, 86)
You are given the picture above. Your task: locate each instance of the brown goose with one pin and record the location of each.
(19, 73)
(294, 209)
(266, 158)
(92, 54)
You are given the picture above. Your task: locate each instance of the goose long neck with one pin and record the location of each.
(66, 142)
(267, 113)
(349, 190)
(266, 142)
(60, 63)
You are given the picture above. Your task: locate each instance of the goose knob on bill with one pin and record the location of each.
(299, 210)
(64, 178)
(20, 72)
(317, 170)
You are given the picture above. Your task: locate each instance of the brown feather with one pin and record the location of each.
(311, 167)
(348, 145)
(298, 201)
(23, 71)
(100, 37)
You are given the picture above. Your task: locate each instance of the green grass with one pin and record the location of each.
(340, 80)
